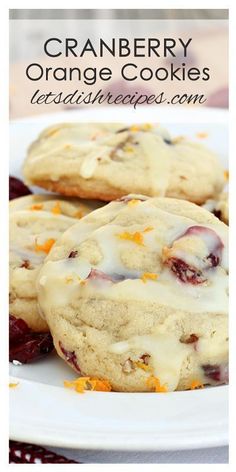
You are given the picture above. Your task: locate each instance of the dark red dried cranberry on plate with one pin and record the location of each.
(17, 328)
(25, 345)
(31, 347)
(17, 188)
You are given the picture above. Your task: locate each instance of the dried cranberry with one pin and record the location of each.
(31, 347)
(98, 274)
(217, 213)
(70, 357)
(73, 254)
(17, 188)
(145, 358)
(213, 259)
(190, 273)
(185, 272)
(191, 339)
(212, 372)
(25, 345)
(25, 264)
(17, 328)
(212, 240)
(218, 373)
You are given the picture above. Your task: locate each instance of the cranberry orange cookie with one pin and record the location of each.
(136, 293)
(111, 161)
(36, 222)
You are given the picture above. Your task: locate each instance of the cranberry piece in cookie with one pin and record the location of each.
(70, 357)
(193, 254)
(191, 339)
(212, 242)
(73, 254)
(99, 275)
(217, 373)
(185, 272)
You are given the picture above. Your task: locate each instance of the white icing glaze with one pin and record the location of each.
(159, 164)
(215, 348)
(168, 290)
(61, 281)
(90, 161)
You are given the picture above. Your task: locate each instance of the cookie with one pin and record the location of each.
(136, 293)
(36, 222)
(55, 204)
(110, 161)
(219, 207)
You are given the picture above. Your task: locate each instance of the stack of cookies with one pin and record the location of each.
(134, 292)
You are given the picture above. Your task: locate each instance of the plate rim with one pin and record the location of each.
(47, 434)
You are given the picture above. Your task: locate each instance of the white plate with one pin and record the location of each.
(42, 411)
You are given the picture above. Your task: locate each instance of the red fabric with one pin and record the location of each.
(22, 453)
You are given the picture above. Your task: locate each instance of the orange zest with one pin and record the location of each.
(142, 365)
(154, 384)
(45, 247)
(70, 279)
(226, 175)
(141, 127)
(196, 384)
(82, 384)
(134, 128)
(78, 214)
(56, 210)
(128, 148)
(36, 206)
(202, 135)
(133, 202)
(13, 385)
(136, 237)
(148, 276)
